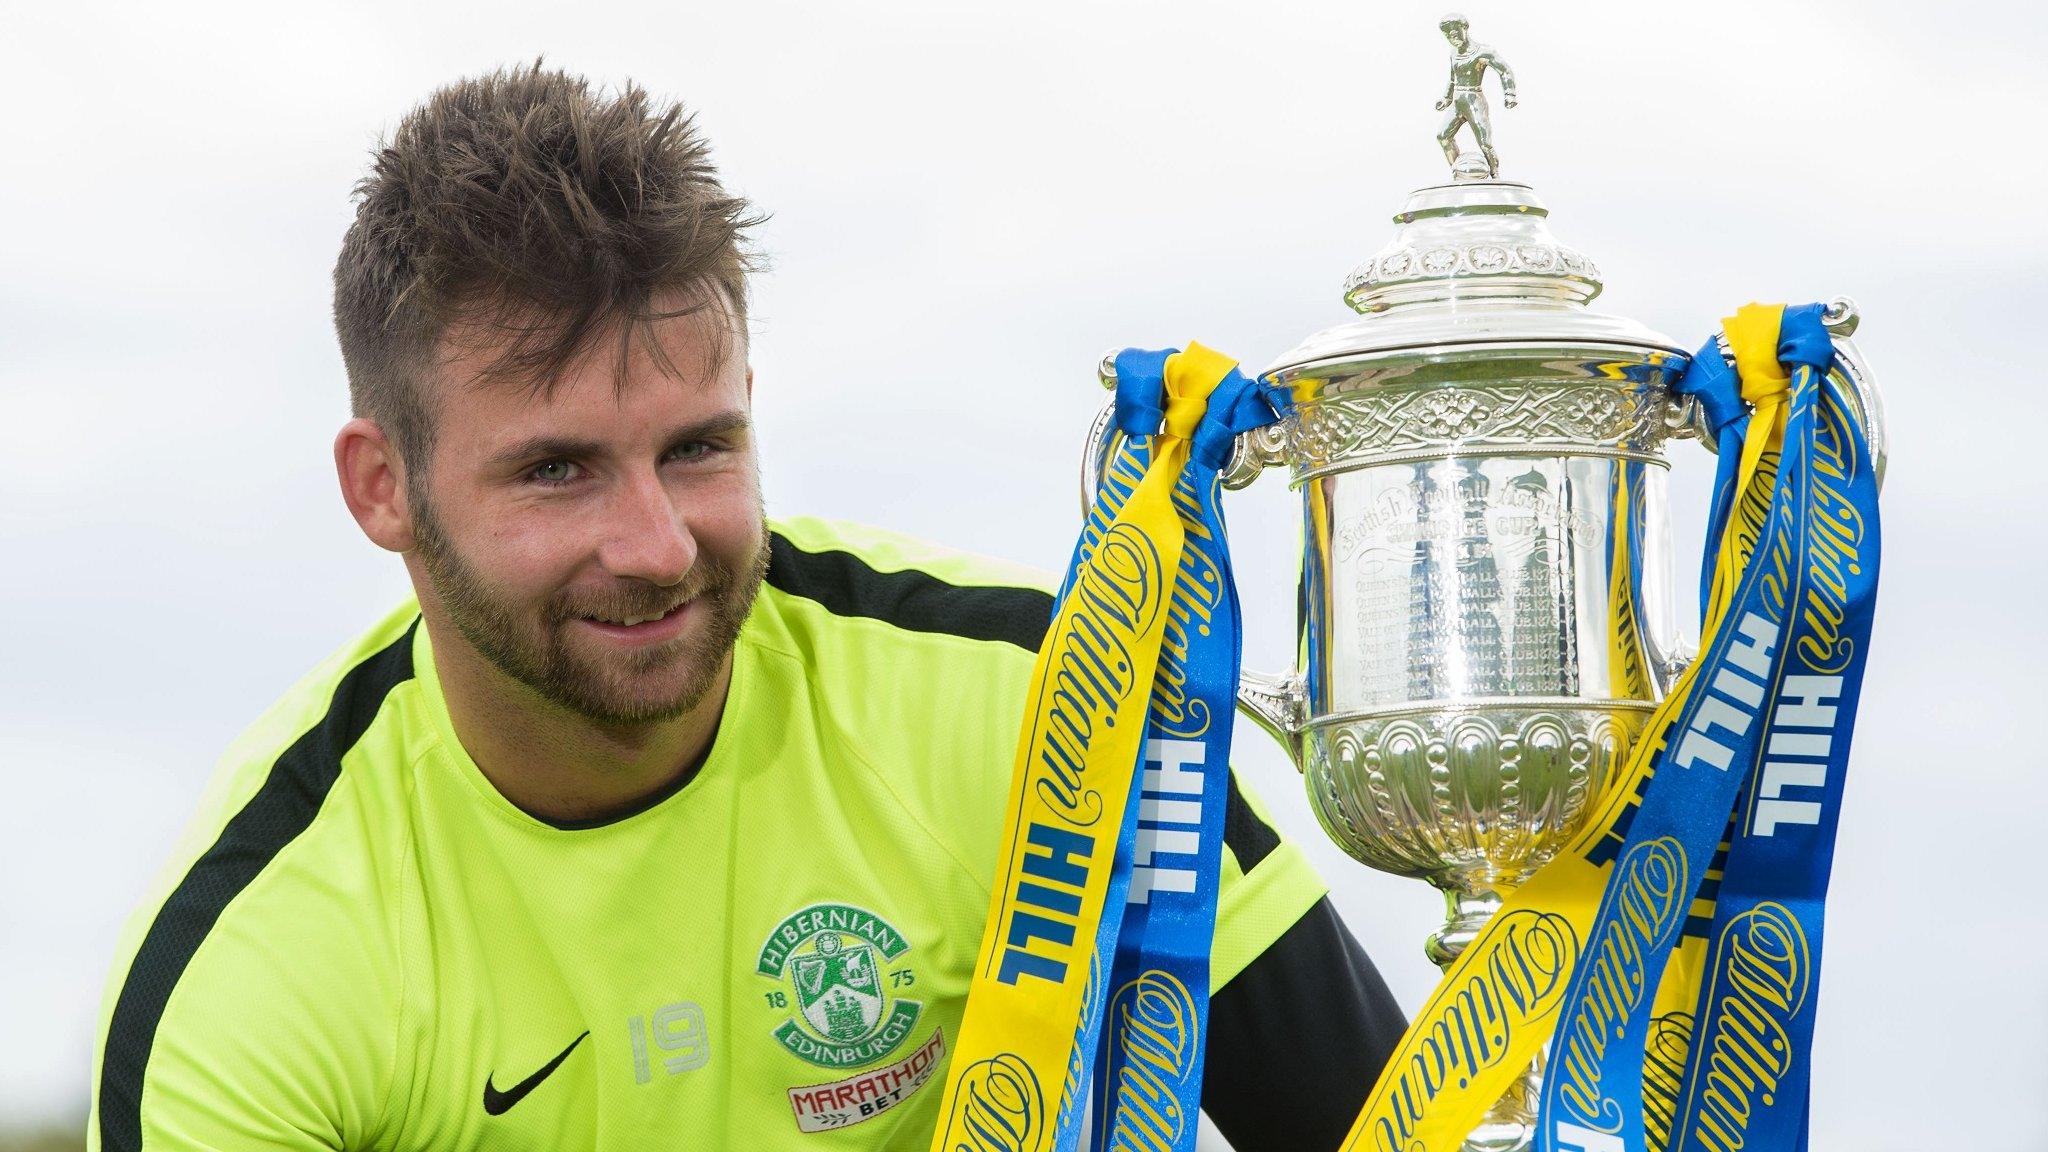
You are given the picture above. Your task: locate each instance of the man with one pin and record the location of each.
(650, 825)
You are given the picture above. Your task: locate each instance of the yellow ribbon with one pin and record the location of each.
(1016, 1060)
(1753, 339)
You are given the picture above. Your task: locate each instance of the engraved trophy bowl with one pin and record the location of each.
(1488, 592)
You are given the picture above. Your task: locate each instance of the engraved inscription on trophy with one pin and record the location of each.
(1464, 102)
(1463, 583)
(1475, 626)
(1542, 658)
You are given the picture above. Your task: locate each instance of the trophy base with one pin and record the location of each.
(1510, 1125)
(1519, 1140)
(1471, 166)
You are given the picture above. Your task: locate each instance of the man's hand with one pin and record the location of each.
(1508, 98)
(1446, 103)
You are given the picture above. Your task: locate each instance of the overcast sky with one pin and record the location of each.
(970, 203)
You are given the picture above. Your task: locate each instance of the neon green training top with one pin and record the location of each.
(361, 944)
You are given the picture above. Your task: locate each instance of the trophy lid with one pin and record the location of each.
(1472, 261)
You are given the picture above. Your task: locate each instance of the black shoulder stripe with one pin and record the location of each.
(1297, 1039)
(913, 600)
(282, 808)
(1249, 838)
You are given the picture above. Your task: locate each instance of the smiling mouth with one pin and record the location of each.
(631, 621)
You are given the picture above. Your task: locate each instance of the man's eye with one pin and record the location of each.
(694, 450)
(553, 472)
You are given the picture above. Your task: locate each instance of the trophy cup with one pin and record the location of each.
(1487, 573)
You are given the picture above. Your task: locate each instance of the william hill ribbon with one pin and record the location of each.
(1723, 818)
(1149, 1057)
(1747, 1072)
(1115, 799)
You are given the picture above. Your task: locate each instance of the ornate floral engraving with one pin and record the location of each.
(1484, 794)
(1452, 413)
(1402, 264)
(1487, 258)
(1508, 414)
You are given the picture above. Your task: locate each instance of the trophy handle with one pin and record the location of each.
(1841, 319)
(1687, 418)
(1277, 703)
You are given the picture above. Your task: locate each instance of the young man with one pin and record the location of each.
(651, 824)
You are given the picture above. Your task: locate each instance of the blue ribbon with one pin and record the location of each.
(1141, 390)
(1711, 380)
(1142, 1035)
(1774, 886)
(1768, 717)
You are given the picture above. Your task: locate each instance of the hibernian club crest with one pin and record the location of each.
(841, 976)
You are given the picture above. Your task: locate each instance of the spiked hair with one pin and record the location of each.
(548, 214)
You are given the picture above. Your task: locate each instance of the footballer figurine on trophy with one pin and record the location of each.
(1465, 100)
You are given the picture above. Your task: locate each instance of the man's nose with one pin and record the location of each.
(645, 536)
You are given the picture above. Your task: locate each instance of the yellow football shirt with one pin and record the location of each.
(361, 944)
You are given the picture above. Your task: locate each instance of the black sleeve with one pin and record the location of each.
(1297, 1039)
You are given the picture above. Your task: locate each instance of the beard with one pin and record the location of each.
(533, 646)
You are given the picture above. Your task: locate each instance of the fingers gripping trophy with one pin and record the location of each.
(1490, 615)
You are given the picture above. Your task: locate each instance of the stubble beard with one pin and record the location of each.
(538, 654)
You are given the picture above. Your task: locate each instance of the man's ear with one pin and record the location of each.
(373, 484)
(750, 383)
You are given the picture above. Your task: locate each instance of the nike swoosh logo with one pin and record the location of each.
(496, 1102)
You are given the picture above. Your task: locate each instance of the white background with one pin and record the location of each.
(971, 202)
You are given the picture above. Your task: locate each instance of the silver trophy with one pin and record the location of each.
(1490, 605)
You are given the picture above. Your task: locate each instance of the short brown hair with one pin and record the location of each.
(550, 212)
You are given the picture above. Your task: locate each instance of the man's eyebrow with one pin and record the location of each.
(548, 447)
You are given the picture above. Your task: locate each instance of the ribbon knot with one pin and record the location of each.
(1753, 339)
(1140, 382)
(1803, 337)
(1183, 415)
(1711, 381)
(1759, 393)
(1167, 391)
(1238, 405)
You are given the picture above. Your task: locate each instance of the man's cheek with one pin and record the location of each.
(534, 556)
(730, 540)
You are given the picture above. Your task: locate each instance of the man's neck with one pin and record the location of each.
(559, 766)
